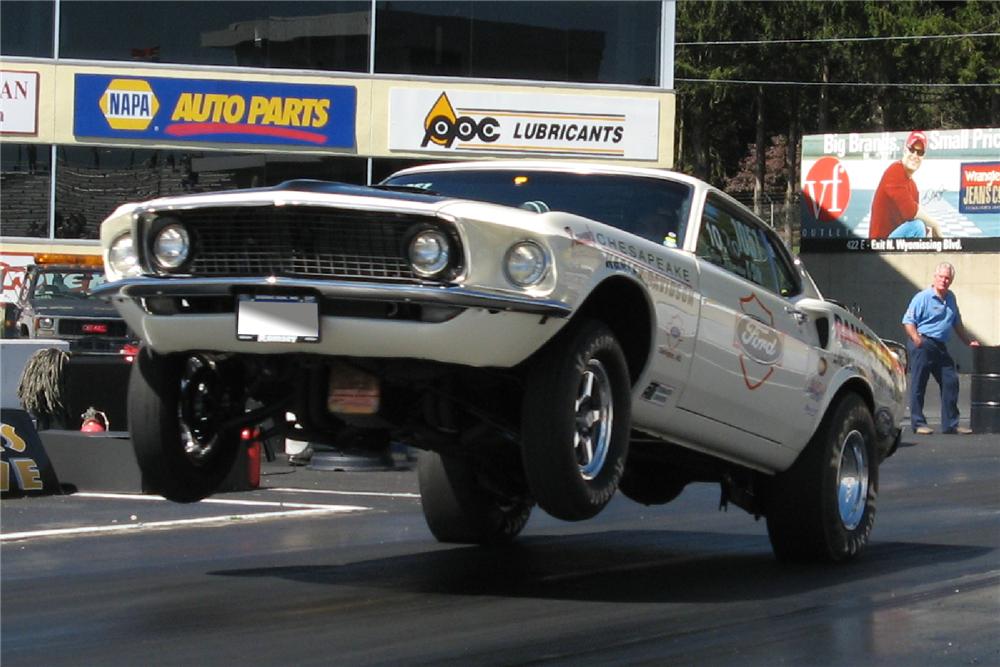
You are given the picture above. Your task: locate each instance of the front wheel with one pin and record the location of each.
(823, 507)
(459, 509)
(176, 407)
(576, 422)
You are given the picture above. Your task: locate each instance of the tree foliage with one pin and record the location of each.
(718, 121)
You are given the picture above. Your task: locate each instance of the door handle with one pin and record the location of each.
(799, 316)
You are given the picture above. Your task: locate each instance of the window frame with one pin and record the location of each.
(779, 258)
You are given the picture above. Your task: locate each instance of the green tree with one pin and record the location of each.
(869, 85)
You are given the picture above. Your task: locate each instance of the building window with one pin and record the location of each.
(26, 182)
(296, 35)
(579, 42)
(92, 181)
(26, 28)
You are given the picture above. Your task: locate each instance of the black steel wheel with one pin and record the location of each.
(177, 405)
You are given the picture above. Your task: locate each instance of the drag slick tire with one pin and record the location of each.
(823, 507)
(175, 406)
(459, 509)
(576, 422)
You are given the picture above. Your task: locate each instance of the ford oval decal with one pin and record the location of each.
(758, 341)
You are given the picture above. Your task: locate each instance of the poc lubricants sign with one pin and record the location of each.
(439, 121)
(210, 110)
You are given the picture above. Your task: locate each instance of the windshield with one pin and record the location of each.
(62, 284)
(654, 208)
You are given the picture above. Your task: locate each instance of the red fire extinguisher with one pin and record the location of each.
(251, 436)
(94, 421)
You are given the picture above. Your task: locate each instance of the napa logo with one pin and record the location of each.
(129, 104)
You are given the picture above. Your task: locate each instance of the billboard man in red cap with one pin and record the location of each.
(896, 210)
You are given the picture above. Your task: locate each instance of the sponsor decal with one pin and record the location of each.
(214, 110)
(24, 466)
(674, 334)
(503, 122)
(980, 188)
(657, 393)
(659, 274)
(761, 346)
(18, 102)
(27, 475)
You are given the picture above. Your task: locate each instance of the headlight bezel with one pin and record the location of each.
(540, 263)
(119, 267)
(152, 235)
(447, 259)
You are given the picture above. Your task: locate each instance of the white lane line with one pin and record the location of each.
(376, 494)
(155, 525)
(291, 510)
(214, 501)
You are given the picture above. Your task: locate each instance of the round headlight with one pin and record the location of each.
(171, 246)
(122, 258)
(429, 252)
(526, 263)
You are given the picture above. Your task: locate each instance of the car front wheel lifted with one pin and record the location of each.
(576, 422)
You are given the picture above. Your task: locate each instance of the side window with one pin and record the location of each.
(741, 246)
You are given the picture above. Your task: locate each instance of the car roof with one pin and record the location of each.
(565, 166)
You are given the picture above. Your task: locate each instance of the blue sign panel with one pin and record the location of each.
(246, 112)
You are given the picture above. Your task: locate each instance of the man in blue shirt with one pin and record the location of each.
(929, 320)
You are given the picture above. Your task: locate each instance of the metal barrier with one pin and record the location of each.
(984, 399)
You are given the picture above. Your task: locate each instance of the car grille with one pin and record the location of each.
(75, 327)
(307, 242)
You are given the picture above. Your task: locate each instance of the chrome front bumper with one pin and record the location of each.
(440, 295)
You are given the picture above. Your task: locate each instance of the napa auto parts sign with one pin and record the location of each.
(956, 182)
(210, 110)
(490, 123)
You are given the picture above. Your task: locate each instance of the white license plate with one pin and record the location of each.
(277, 319)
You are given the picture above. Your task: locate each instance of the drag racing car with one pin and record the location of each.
(549, 333)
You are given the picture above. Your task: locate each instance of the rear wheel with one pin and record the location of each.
(823, 507)
(459, 509)
(576, 422)
(177, 405)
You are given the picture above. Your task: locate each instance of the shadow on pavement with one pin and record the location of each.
(618, 566)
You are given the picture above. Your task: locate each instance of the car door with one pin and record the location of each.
(754, 355)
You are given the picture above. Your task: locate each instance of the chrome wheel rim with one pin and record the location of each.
(594, 417)
(852, 480)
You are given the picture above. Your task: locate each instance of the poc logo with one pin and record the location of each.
(442, 126)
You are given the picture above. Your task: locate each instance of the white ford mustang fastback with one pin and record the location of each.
(548, 332)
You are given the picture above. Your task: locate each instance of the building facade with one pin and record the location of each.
(108, 102)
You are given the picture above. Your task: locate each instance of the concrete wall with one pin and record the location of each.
(881, 285)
